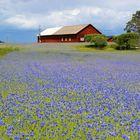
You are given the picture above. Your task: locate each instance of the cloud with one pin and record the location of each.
(29, 14)
(51, 19)
(99, 16)
(64, 17)
(22, 21)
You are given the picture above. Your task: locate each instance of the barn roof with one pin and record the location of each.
(50, 31)
(64, 30)
(70, 29)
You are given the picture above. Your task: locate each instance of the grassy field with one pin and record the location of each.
(68, 92)
(54, 47)
(7, 48)
(88, 48)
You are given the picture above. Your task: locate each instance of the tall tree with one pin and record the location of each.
(134, 24)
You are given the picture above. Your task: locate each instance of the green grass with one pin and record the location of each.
(58, 48)
(85, 48)
(7, 48)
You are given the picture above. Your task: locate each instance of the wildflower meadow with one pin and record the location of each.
(69, 95)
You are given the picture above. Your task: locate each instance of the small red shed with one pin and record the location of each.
(67, 33)
(110, 38)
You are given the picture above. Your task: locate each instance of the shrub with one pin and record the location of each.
(88, 38)
(127, 41)
(97, 39)
(113, 45)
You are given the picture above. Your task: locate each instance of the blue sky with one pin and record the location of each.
(20, 19)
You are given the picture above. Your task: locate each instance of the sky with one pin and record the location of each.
(20, 19)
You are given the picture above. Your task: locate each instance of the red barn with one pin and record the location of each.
(67, 33)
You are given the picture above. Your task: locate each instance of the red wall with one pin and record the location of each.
(74, 38)
(58, 38)
(88, 30)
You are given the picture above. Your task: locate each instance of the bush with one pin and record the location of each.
(127, 41)
(97, 39)
(113, 45)
(88, 38)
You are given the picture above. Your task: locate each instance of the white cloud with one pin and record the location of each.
(64, 17)
(102, 18)
(99, 16)
(22, 21)
(75, 12)
(51, 19)
(109, 14)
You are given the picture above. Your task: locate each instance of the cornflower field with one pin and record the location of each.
(59, 93)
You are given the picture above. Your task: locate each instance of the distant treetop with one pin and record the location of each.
(134, 24)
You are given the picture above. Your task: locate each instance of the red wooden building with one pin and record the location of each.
(67, 33)
(110, 38)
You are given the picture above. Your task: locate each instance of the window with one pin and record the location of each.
(69, 39)
(62, 39)
(82, 39)
(66, 39)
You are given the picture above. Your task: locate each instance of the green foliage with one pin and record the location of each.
(134, 24)
(98, 40)
(113, 46)
(88, 38)
(127, 41)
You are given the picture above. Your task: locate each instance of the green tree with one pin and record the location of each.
(134, 24)
(88, 38)
(97, 40)
(127, 41)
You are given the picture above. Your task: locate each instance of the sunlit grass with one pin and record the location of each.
(7, 48)
(89, 48)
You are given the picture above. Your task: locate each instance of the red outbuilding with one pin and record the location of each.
(67, 33)
(110, 38)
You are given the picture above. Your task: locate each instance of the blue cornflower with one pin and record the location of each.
(9, 130)
(65, 133)
(2, 122)
(113, 133)
(43, 123)
(17, 138)
(32, 133)
(125, 137)
(90, 117)
(22, 134)
(97, 129)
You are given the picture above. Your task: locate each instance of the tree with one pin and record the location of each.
(134, 24)
(127, 41)
(88, 38)
(97, 40)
